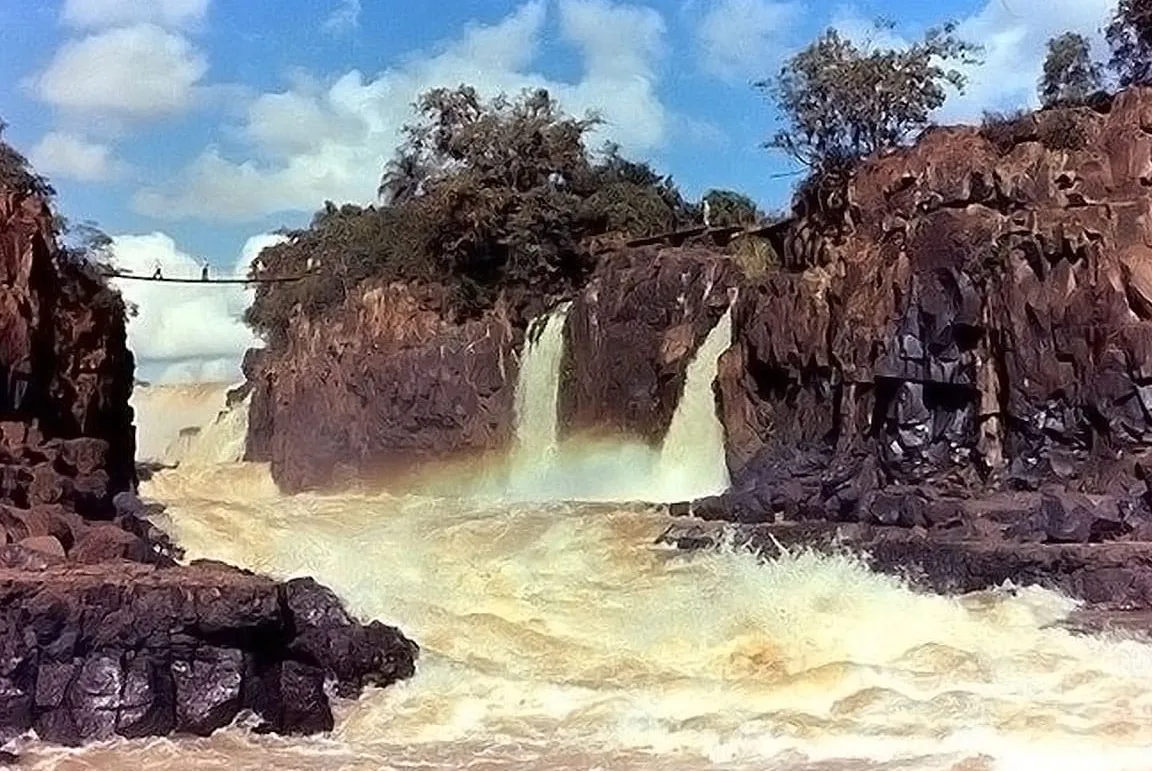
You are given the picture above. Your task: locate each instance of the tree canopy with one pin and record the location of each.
(841, 102)
(1129, 35)
(1070, 74)
(482, 197)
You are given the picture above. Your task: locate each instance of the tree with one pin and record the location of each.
(729, 208)
(1129, 35)
(1070, 76)
(841, 102)
(481, 197)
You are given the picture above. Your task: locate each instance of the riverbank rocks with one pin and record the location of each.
(122, 649)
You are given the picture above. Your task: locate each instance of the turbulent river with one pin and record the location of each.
(556, 635)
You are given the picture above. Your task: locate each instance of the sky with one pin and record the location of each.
(191, 130)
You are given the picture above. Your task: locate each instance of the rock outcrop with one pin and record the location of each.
(122, 649)
(385, 386)
(951, 371)
(631, 334)
(102, 632)
(66, 373)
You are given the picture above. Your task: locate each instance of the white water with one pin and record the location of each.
(557, 636)
(163, 411)
(692, 461)
(534, 457)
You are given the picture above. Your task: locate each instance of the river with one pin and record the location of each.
(557, 635)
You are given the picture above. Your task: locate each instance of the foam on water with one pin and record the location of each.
(558, 636)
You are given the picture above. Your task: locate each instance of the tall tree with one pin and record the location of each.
(841, 102)
(1070, 74)
(1130, 37)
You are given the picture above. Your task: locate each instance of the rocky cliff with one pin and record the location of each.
(382, 388)
(392, 385)
(102, 633)
(65, 372)
(958, 347)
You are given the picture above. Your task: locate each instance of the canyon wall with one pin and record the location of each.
(66, 373)
(969, 312)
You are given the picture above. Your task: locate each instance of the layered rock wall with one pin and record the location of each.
(981, 314)
(631, 334)
(384, 386)
(66, 374)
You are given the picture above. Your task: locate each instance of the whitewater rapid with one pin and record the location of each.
(557, 635)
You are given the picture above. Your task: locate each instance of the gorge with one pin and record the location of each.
(926, 412)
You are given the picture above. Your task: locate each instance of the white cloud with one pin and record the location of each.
(1015, 36)
(345, 18)
(316, 142)
(112, 13)
(69, 156)
(184, 331)
(740, 38)
(135, 72)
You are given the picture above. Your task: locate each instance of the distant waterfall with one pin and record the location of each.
(692, 459)
(221, 441)
(537, 399)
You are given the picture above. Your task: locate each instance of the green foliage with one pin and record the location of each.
(1129, 35)
(729, 208)
(481, 197)
(1070, 74)
(841, 102)
(16, 173)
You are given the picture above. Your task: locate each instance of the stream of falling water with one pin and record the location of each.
(558, 636)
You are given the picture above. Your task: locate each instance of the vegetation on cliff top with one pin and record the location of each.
(482, 197)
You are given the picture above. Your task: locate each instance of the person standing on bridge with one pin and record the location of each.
(156, 273)
(204, 271)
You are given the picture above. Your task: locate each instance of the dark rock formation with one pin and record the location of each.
(631, 334)
(974, 312)
(132, 650)
(102, 633)
(65, 371)
(390, 383)
(950, 373)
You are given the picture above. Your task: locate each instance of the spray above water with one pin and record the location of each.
(558, 636)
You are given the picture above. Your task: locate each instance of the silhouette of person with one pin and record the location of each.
(156, 273)
(204, 272)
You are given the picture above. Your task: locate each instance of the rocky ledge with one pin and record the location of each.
(89, 652)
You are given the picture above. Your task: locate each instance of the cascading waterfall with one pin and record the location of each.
(556, 636)
(692, 460)
(536, 400)
(221, 441)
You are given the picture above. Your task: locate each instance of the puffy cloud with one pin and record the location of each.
(184, 332)
(329, 141)
(738, 38)
(135, 72)
(111, 13)
(345, 18)
(1015, 37)
(67, 155)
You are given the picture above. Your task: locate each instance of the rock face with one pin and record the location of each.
(102, 633)
(631, 334)
(952, 369)
(387, 384)
(968, 314)
(131, 650)
(65, 372)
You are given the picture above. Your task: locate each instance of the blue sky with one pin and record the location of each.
(188, 127)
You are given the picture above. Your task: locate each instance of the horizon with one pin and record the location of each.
(250, 117)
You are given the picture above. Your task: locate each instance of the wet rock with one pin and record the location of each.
(123, 649)
(44, 544)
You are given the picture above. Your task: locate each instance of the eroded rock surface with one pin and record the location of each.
(91, 652)
(386, 385)
(631, 334)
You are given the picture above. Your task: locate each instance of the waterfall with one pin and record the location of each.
(536, 400)
(221, 441)
(692, 459)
